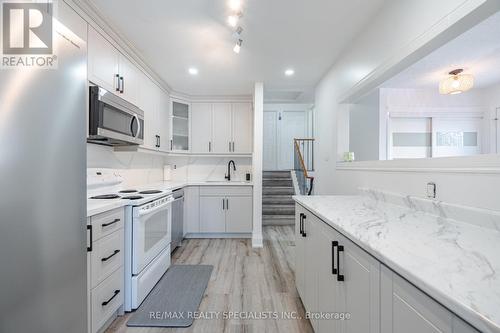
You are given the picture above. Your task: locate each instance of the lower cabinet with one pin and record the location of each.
(226, 214)
(105, 273)
(347, 290)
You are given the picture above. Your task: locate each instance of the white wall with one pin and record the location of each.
(378, 52)
(258, 136)
(364, 128)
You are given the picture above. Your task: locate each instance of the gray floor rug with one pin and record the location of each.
(177, 295)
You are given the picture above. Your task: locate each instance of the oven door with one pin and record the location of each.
(151, 233)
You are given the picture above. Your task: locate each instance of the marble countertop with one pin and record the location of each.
(455, 262)
(96, 206)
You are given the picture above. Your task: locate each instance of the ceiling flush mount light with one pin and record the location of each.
(289, 72)
(237, 47)
(232, 20)
(193, 71)
(456, 83)
(235, 5)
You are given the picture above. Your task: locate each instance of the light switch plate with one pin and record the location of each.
(431, 190)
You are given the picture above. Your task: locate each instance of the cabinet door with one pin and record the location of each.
(328, 300)
(163, 113)
(311, 266)
(359, 293)
(102, 61)
(299, 253)
(239, 214)
(212, 214)
(192, 209)
(405, 309)
(148, 98)
(130, 80)
(242, 128)
(221, 130)
(201, 128)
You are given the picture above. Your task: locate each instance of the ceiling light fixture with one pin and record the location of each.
(456, 83)
(235, 5)
(193, 71)
(232, 20)
(289, 72)
(237, 47)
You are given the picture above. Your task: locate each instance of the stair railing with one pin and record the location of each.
(304, 164)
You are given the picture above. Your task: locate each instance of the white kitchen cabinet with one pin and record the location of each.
(105, 261)
(191, 210)
(129, 80)
(221, 128)
(299, 252)
(359, 292)
(180, 125)
(310, 229)
(239, 214)
(242, 128)
(103, 61)
(163, 114)
(406, 309)
(226, 209)
(201, 127)
(212, 214)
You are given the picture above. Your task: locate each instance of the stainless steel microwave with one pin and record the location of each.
(113, 121)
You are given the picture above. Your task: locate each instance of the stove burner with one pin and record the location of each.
(128, 191)
(133, 197)
(106, 196)
(150, 192)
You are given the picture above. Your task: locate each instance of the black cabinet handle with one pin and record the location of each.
(110, 256)
(300, 223)
(117, 76)
(159, 141)
(209, 147)
(340, 277)
(171, 145)
(227, 204)
(229, 146)
(122, 87)
(334, 245)
(89, 248)
(110, 223)
(109, 300)
(223, 204)
(233, 146)
(304, 234)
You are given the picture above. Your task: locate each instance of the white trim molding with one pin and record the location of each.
(478, 164)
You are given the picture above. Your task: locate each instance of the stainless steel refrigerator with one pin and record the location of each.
(42, 188)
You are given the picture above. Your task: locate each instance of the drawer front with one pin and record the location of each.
(226, 190)
(106, 298)
(106, 256)
(106, 223)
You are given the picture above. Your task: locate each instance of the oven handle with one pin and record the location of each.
(152, 210)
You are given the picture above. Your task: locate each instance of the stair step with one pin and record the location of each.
(276, 174)
(277, 182)
(278, 190)
(278, 210)
(277, 199)
(278, 220)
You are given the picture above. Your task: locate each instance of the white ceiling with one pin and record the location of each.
(305, 35)
(477, 51)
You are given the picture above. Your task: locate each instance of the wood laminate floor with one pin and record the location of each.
(243, 280)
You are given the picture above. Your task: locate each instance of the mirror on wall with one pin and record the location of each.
(446, 104)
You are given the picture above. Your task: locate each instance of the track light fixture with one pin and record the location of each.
(237, 47)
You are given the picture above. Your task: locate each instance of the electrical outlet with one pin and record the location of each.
(431, 190)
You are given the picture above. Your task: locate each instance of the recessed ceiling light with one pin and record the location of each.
(235, 4)
(193, 71)
(289, 72)
(232, 20)
(237, 47)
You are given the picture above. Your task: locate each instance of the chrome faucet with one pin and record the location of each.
(228, 176)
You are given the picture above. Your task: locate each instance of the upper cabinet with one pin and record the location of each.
(103, 61)
(110, 69)
(221, 128)
(180, 125)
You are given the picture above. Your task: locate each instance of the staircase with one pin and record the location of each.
(278, 207)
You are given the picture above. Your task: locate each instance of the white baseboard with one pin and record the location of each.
(217, 235)
(257, 241)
